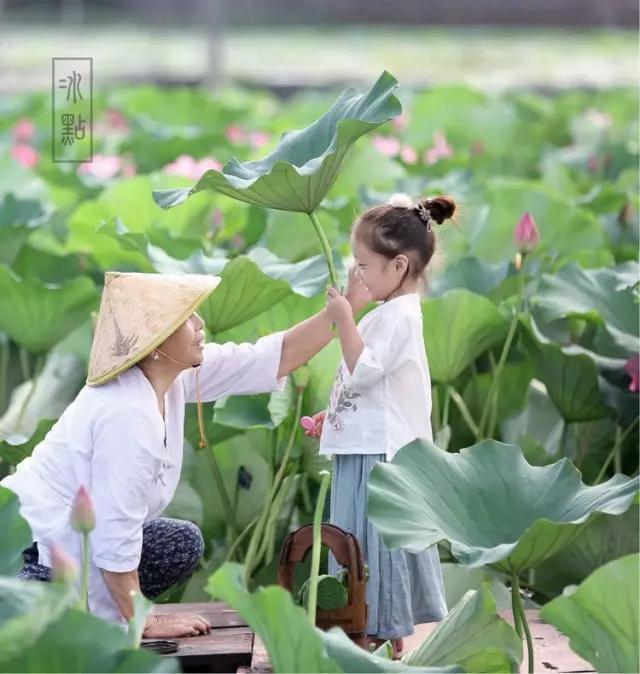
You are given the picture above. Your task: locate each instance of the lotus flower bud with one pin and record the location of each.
(63, 567)
(83, 517)
(526, 235)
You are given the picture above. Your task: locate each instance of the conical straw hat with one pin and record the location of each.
(137, 313)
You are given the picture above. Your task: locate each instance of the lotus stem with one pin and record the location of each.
(464, 410)
(326, 249)
(445, 407)
(226, 502)
(241, 537)
(34, 382)
(496, 378)
(84, 593)
(620, 438)
(252, 559)
(4, 369)
(315, 553)
(515, 589)
(519, 607)
(24, 363)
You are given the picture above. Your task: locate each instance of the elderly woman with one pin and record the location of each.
(122, 437)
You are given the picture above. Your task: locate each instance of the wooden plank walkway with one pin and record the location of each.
(231, 646)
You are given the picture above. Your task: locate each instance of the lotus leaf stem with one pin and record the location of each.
(326, 249)
(315, 552)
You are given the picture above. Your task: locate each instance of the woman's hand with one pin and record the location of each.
(339, 309)
(171, 625)
(318, 420)
(357, 292)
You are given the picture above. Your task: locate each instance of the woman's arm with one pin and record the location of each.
(304, 340)
(120, 585)
(157, 625)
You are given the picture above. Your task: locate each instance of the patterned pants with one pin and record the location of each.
(171, 550)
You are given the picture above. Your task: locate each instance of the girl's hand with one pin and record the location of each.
(357, 292)
(338, 308)
(313, 425)
(168, 625)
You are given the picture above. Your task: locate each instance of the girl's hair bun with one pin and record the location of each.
(441, 208)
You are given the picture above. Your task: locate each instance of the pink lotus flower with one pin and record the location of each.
(115, 120)
(185, 165)
(307, 423)
(526, 235)
(440, 150)
(63, 567)
(258, 139)
(101, 166)
(25, 155)
(24, 130)
(401, 121)
(632, 368)
(83, 517)
(408, 154)
(235, 134)
(387, 145)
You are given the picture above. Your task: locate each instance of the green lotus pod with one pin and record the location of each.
(332, 593)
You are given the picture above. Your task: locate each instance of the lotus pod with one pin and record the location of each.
(332, 594)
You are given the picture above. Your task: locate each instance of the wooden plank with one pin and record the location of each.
(228, 646)
(216, 612)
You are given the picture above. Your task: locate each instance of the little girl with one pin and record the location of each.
(381, 401)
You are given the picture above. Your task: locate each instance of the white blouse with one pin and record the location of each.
(385, 402)
(113, 439)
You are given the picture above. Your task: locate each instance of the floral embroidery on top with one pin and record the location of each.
(342, 399)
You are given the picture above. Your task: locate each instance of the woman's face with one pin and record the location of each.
(186, 344)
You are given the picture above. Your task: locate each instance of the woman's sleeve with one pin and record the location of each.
(235, 369)
(386, 348)
(124, 465)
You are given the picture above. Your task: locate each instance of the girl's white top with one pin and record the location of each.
(113, 439)
(385, 402)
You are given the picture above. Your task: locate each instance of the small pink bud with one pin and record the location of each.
(24, 130)
(526, 235)
(408, 155)
(632, 368)
(25, 154)
(307, 423)
(83, 517)
(63, 567)
(386, 145)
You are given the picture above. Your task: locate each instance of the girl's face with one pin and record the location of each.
(186, 344)
(380, 274)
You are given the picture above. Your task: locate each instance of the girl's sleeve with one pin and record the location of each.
(124, 465)
(235, 369)
(386, 348)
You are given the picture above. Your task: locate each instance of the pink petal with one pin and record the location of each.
(386, 145)
(208, 164)
(25, 155)
(526, 235)
(63, 567)
(101, 166)
(400, 122)
(258, 139)
(116, 120)
(408, 155)
(83, 517)
(307, 423)
(632, 368)
(235, 134)
(440, 150)
(24, 130)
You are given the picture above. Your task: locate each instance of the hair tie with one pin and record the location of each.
(424, 213)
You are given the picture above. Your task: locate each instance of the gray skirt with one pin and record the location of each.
(404, 589)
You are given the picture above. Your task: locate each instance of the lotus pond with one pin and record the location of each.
(531, 326)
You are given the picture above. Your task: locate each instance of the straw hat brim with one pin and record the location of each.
(101, 374)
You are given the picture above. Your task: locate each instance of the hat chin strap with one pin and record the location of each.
(179, 362)
(201, 428)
